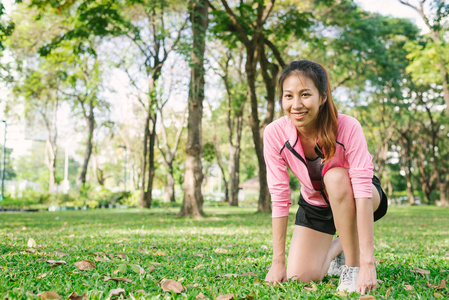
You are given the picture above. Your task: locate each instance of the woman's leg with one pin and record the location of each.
(341, 198)
(307, 257)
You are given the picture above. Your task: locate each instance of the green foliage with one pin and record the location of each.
(9, 168)
(6, 28)
(208, 152)
(425, 57)
(188, 251)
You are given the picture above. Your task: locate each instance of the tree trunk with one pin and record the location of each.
(193, 197)
(222, 169)
(264, 196)
(170, 187)
(51, 150)
(143, 166)
(444, 197)
(234, 174)
(90, 126)
(408, 175)
(151, 167)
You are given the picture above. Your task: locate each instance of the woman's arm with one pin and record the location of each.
(277, 271)
(367, 280)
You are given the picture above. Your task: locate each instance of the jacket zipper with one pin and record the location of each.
(322, 193)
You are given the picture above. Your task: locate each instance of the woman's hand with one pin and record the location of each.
(277, 273)
(367, 280)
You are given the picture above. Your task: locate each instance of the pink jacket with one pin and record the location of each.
(283, 149)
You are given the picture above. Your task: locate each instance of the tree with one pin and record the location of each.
(169, 153)
(41, 92)
(437, 25)
(193, 199)
(154, 50)
(39, 80)
(252, 37)
(230, 69)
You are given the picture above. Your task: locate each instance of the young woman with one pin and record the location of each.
(328, 153)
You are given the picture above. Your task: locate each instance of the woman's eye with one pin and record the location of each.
(306, 95)
(287, 96)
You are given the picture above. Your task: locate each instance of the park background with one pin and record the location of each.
(95, 96)
(157, 108)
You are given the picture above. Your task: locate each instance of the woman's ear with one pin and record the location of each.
(323, 100)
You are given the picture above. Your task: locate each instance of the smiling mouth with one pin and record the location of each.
(299, 114)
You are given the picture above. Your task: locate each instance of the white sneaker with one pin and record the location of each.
(336, 264)
(348, 279)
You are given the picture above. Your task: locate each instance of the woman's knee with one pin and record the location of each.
(306, 276)
(338, 184)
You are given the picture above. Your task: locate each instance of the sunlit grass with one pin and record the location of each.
(203, 255)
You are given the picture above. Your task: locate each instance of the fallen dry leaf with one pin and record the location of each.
(72, 235)
(106, 278)
(380, 281)
(75, 296)
(225, 297)
(115, 292)
(30, 250)
(199, 266)
(49, 295)
(60, 254)
(85, 265)
(201, 296)
(408, 287)
(171, 285)
(160, 253)
(441, 286)
(32, 243)
(340, 293)
(99, 258)
(438, 295)
(367, 297)
(154, 263)
(56, 262)
(151, 269)
(310, 288)
(42, 275)
(121, 255)
(230, 275)
(421, 271)
(221, 250)
(198, 255)
(138, 269)
(387, 294)
(131, 296)
(248, 274)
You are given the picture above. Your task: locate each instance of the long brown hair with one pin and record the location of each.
(327, 119)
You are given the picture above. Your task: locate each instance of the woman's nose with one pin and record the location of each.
(297, 103)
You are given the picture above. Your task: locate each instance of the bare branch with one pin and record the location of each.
(210, 5)
(267, 11)
(241, 31)
(276, 53)
(178, 134)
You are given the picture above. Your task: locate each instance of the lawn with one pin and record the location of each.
(228, 252)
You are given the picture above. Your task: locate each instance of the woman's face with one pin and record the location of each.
(301, 101)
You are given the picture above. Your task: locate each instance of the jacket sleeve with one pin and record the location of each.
(360, 161)
(277, 175)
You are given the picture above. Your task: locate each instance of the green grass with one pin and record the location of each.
(407, 238)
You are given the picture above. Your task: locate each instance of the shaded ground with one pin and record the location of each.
(228, 252)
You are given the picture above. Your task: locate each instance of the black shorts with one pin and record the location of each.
(321, 218)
